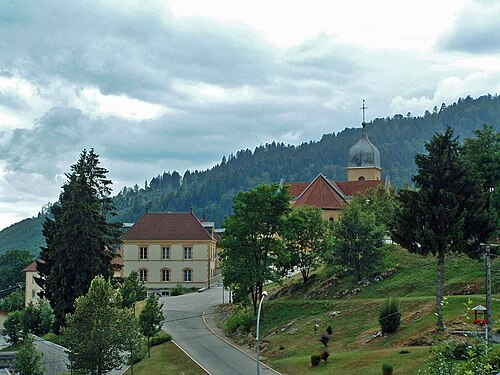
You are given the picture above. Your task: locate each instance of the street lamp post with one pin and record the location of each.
(264, 294)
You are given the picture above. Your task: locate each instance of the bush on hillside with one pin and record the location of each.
(390, 315)
(387, 369)
(242, 319)
(315, 360)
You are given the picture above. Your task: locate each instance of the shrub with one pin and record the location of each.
(387, 369)
(240, 318)
(160, 338)
(315, 360)
(329, 329)
(13, 302)
(390, 315)
(325, 355)
(177, 291)
(324, 340)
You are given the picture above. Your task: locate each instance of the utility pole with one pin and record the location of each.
(489, 325)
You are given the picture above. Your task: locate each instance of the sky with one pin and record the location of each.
(158, 86)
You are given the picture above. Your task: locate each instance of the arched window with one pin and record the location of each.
(143, 274)
(361, 178)
(165, 275)
(187, 275)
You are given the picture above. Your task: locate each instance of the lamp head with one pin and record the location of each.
(264, 293)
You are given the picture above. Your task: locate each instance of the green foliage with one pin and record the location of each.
(13, 302)
(151, 319)
(99, 334)
(14, 327)
(448, 212)
(251, 242)
(79, 239)
(12, 263)
(160, 338)
(242, 319)
(132, 291)
(390, 315)
(177, 291)
(315, 360)
(28, 360)
(358, 240)
(387, 369)
(306, 238)
(132, 339)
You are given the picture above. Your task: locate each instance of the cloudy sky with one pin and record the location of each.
(159, 86)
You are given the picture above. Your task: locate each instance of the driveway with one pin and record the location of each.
(185, 323)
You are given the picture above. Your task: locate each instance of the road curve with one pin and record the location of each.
(184, 322)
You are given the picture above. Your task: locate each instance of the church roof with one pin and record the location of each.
(328, 194)
(167, 226)
(364, 154)
(320, 193)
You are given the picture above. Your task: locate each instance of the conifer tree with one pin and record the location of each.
(79, 239)
(447, 212)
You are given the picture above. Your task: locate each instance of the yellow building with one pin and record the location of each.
(167, 249)
(31, 288)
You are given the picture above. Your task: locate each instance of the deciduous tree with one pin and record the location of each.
(251, 242)
(151, 319)
(306, 238)
(80, 241)
(132, 291)
(447, 212)
(12, 263)
(95, 333)
(358, 238)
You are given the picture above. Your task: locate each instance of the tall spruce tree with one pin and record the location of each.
(80, 240)
(447, 212)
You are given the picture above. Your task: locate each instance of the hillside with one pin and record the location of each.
(292, 310)
(210, 192)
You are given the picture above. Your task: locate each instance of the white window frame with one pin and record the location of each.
(188, 253)
(143, 274)
(165, 250)
(165, 271)
(185, 273)
(143, 253)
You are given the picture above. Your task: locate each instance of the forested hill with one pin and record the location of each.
(210, 192)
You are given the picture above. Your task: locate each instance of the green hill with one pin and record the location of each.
(210, 192)
(289, 338)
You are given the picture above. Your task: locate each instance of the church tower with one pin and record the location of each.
(364, 158)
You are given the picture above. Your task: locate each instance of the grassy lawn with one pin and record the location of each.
(167, 359)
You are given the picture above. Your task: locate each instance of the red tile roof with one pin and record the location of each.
(351, 188)
(323, 194)
(31, 267)
(167, 226)
(296, 188)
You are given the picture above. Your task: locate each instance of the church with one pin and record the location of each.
(364, 172)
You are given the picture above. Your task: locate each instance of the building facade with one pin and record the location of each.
(170, 249)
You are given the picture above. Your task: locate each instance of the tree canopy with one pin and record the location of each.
(12, 263)
(448, 210)
(80, 240)
(251, 241)
(151, 319)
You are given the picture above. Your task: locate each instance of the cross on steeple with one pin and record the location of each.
(363, 108)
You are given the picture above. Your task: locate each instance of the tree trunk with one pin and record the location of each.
(440, 289)
(149, 348)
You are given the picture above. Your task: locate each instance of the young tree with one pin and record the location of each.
(306, 238)
(14, 327)
(132, 338)
(251, 242)
(132, 291)
(79, 239)
(12, 263)
(447, 213)
(95, 333)
(151, 319)
(358, 238)
(13, 302)
(28, 360)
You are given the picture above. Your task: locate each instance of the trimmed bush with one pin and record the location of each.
(160, 338)
(178, 290)
(329, 329)
(387, 369)
(390, 315)
(315, 360)
(325, 355)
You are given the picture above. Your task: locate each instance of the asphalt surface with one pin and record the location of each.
(185, 323)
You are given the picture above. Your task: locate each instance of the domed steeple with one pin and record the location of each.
(364, 158)
(364, 154)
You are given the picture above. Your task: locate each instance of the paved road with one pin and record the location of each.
(184, 322)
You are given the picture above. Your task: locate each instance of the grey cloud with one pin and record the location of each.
(475, 31)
